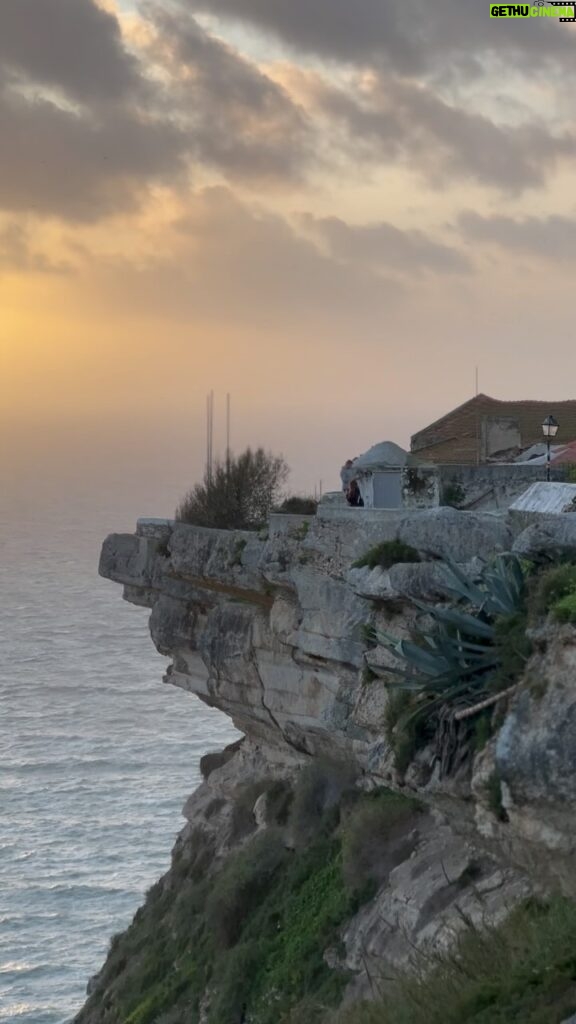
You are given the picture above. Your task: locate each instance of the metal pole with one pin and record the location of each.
(208, 438)
(548, 459)
(228, 433)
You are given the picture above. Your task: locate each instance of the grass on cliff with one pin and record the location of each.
(387, 554)
(252, 930)
(523, 972)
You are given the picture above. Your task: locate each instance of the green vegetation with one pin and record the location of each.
(298, 505)
(405, 732)
(278, 800)
(564, 610)
(453, 495)
(494, 794)
(465, 652)
(387, 554)
(523, 972)
(300, 532)
(554, 590)
(550, 586)
(470, 649)
(238, 494)
(252, 929)
(368, 835)
(316, 806)
(238, 551)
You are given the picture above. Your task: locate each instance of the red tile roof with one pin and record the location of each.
(456, 437)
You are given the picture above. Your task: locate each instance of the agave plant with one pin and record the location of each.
(454, 656)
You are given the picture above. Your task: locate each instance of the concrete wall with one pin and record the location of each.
(499, 434)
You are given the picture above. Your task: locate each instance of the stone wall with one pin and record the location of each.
(482, 487)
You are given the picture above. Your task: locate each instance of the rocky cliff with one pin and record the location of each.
(272, 629)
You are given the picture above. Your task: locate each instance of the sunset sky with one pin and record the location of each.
(333, 210)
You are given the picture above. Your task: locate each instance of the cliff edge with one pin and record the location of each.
(275, 629)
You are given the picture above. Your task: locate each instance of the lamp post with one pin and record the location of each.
(549, 429)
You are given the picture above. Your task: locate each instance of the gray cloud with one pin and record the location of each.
(413, 36)
(80, 168)
(551, 238)
(400, 120)
(69, 44)
(84, 161)
(111, 124)
(383, 246)
(238, 118)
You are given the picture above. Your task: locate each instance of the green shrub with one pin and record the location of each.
(243, 963)
(494, 794)
(551, 586)
(564, 610)
(368, 832)
(523, 972)
(406, 726)
(238, 494)
(318, 792)
(387, 554)
(310, 904)
(241, 886)
(453, 495)
(279, 799)
(513, 648)
(297, 505)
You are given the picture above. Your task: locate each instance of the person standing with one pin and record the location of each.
(347, 474)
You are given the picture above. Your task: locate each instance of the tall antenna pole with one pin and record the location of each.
(476, 380)
(228, 433)
(209, 435)
(211, 432)
(208, 438)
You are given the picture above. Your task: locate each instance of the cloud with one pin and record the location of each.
(411, 37)
(551, 238)
(240, 121)
(392, 119)
(18, 255)
(92, 119)
(383, 246)
(81, 167)
(69, 44)
(102, 126)
(235, 263)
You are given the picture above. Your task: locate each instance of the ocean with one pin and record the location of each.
(97, 755)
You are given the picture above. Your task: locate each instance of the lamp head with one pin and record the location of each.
(550, 427)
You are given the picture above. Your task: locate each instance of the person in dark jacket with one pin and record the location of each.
(347, 474)
(353, 496)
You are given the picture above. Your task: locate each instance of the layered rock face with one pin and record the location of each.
(271, 629)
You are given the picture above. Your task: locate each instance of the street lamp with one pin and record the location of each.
(549, 429)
